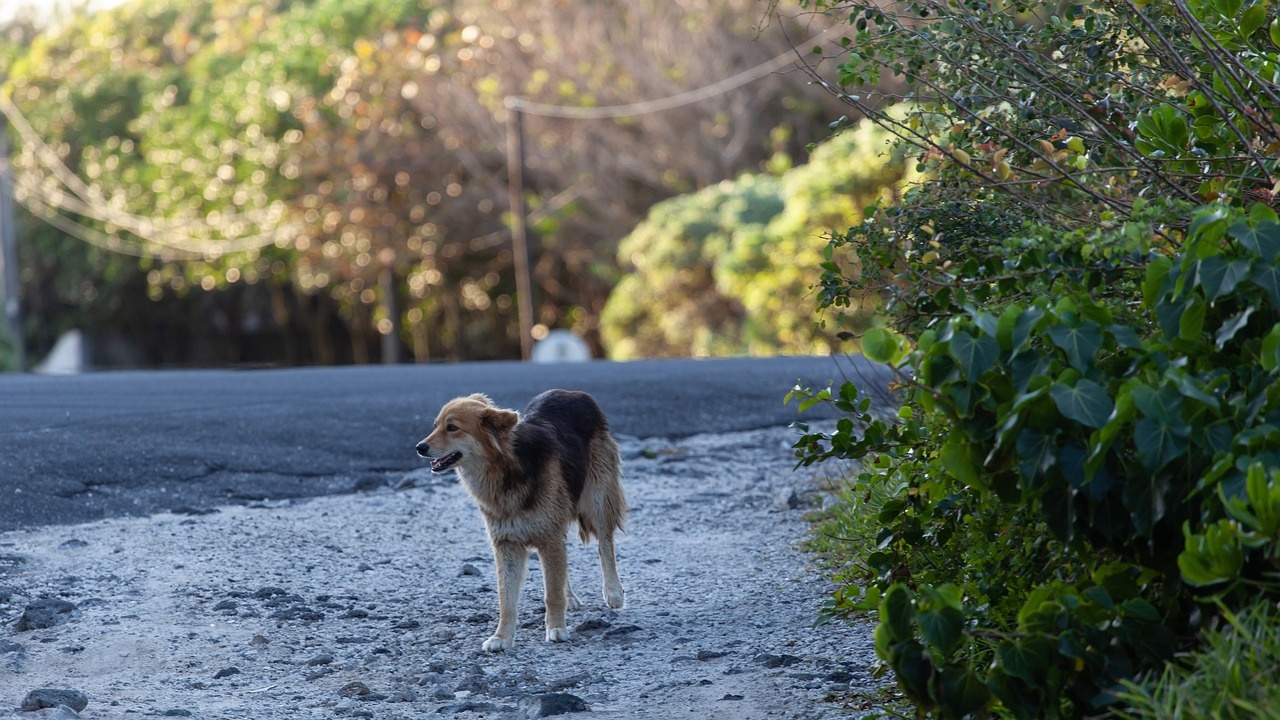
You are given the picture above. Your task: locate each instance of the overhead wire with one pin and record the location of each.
(167, 233)
(646, 107)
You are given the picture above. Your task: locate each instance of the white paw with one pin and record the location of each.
(613, 596)
(497, 643)
(557, 634)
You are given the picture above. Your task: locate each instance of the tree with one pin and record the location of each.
(292, 164)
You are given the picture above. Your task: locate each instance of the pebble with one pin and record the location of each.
(469, 570)
(555, 704)
(45, 613)
(226, 672)
(776, 661)
(52, 697)
(622, 630)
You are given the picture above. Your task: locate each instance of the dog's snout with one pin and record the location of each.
(423, 449)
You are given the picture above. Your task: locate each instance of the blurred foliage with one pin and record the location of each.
(731, 266)
(1082, 302)
(291, 162)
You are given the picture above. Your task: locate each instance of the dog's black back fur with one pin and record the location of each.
(558, 423)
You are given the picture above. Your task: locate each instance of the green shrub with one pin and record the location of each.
(1083, 305)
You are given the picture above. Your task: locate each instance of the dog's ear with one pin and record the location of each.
(480, 398)
(499, 420)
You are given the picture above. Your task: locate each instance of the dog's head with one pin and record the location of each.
(469, 430)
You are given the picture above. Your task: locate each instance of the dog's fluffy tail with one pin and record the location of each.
(602, 507)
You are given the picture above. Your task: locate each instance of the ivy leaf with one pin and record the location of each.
(940, 624)
(1262, 239)
(1268, 278)
(1232, 326)
(957, 458)
(1027, 660)
(1270, 357)
(897, 610)
(1191, 324)
(1080, 343)
(1252, 19)
(1159, 440)
(1086, 402)
(883, 346)
(975, 355)
(1219, 276)
(963, 691)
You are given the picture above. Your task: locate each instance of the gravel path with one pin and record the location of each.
(375, 605)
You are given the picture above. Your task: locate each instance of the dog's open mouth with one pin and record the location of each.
(441, 464)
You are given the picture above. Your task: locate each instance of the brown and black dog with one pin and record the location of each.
(532, 475)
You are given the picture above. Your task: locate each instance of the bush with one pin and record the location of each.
(1083, 304)
(731, 262)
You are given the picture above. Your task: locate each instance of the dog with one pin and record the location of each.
(532, 474)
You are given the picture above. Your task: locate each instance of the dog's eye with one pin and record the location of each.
(451, 427)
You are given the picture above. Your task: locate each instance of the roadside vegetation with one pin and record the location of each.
(1076, 510)
(296, 181)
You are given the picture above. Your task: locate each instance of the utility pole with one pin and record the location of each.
(9, 252)
(519, 236)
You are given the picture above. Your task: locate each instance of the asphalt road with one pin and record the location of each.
(82, 447)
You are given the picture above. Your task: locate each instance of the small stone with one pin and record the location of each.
(226, 605)
(10, 647)
(321, 659)
(731, 696)
(74, 543)
(45, 613)
(480, 618)
(354, 690)
(839, 676)
(226, 672)
(623, 630)
(177, 712)
(787, 499)
(7, 592)
(776, 661)
(469, 570)
(269, 592)
(407, 625)
(53, 697)
(298, 612)
(556, 704)
(592, 624)
(710, 654)
(568, 682)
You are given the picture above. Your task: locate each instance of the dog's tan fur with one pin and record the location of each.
(523, 512)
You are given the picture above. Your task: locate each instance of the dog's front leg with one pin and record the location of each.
(511, 560)
(555, 588)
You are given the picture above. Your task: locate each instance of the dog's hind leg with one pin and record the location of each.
(555, 587)
(613, 595)
(511, 560)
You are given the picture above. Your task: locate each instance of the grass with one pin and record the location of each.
(1229, 677)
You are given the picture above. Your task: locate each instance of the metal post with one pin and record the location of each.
(9, 288)
(519, 237)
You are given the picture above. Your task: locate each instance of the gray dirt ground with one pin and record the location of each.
(376, 604)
